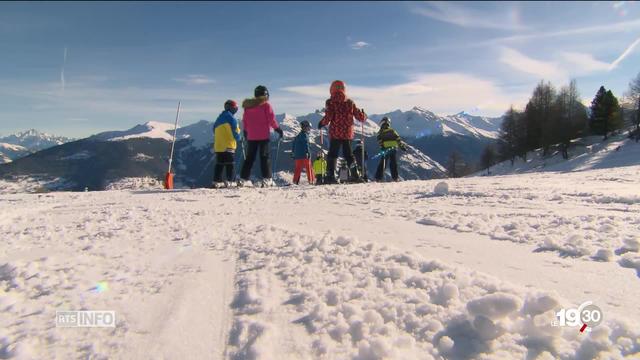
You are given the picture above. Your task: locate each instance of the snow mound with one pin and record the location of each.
(441, 189)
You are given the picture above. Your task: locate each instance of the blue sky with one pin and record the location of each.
(79, 68)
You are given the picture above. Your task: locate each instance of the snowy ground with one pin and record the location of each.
(360, 271)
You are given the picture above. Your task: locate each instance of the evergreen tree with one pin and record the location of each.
(454, 164)
(612, 113)
(488, 158)
(598, 118)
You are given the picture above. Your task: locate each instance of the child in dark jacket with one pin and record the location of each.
(389, 141)
(302, 154)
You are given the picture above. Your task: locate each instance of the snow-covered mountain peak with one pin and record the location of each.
(34, 140)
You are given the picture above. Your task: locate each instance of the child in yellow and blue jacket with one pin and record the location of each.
(226, 133)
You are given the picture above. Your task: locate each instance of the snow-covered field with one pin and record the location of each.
(366, 271)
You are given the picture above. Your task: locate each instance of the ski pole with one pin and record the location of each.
(322, 152)
(275, 164)
(362, 134)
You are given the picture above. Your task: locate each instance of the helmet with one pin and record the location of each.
(231, 105)
(305, 124)
(261, 90)
(385, 121)
(338, 86)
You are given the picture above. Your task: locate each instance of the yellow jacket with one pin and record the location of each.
(320, 167)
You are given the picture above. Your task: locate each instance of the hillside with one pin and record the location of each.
(584, 154)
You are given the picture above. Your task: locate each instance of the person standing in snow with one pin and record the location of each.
(339, 114)
(389, 142)
(258, 120)
(226, 135)
(302, 153)
(358, 154)
(320, 168)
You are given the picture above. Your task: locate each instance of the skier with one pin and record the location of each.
(320, 168)
(357, 153)
(389, 141)
(226, 135)
(258, 119)
(339, 113)
(301, 153)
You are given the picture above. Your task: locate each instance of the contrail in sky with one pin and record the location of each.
(64, 62)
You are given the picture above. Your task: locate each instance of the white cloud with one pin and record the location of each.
(457, 14)
(360, 45)
(195, 79)
(542, 69)
(445, 93)
(585, 63)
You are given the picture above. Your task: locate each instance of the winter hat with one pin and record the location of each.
(231, 105)
(305, 125)
(385, 121)
(338, 86)
(261, 90)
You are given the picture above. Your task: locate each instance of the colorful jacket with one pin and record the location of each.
(388, 138)
(258, 118)
(226, 133)
(320, 167)
(339, 113)
(300, 146)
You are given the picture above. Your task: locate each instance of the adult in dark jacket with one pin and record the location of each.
(339, 114)
(389, 142)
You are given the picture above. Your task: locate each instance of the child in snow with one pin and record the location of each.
(226, 135)
(302, 154)
(389, 141)
(339, 114)
(258, 120)
(359, 153)
(320, 168)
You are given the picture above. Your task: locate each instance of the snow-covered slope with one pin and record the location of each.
(584, 154)
(372, 271)
(419, 122)
(9, 152)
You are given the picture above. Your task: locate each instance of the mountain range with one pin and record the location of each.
(21, 144)
(143, 150)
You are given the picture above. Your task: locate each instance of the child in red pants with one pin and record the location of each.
(302, 154)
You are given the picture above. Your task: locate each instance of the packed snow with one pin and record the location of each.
(472, 268)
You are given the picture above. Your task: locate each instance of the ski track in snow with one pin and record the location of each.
(360, 272)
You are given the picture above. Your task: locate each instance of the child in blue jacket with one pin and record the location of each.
(302, 154)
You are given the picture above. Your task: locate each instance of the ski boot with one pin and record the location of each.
(244, 183)
(218, 185)
(268, 183)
